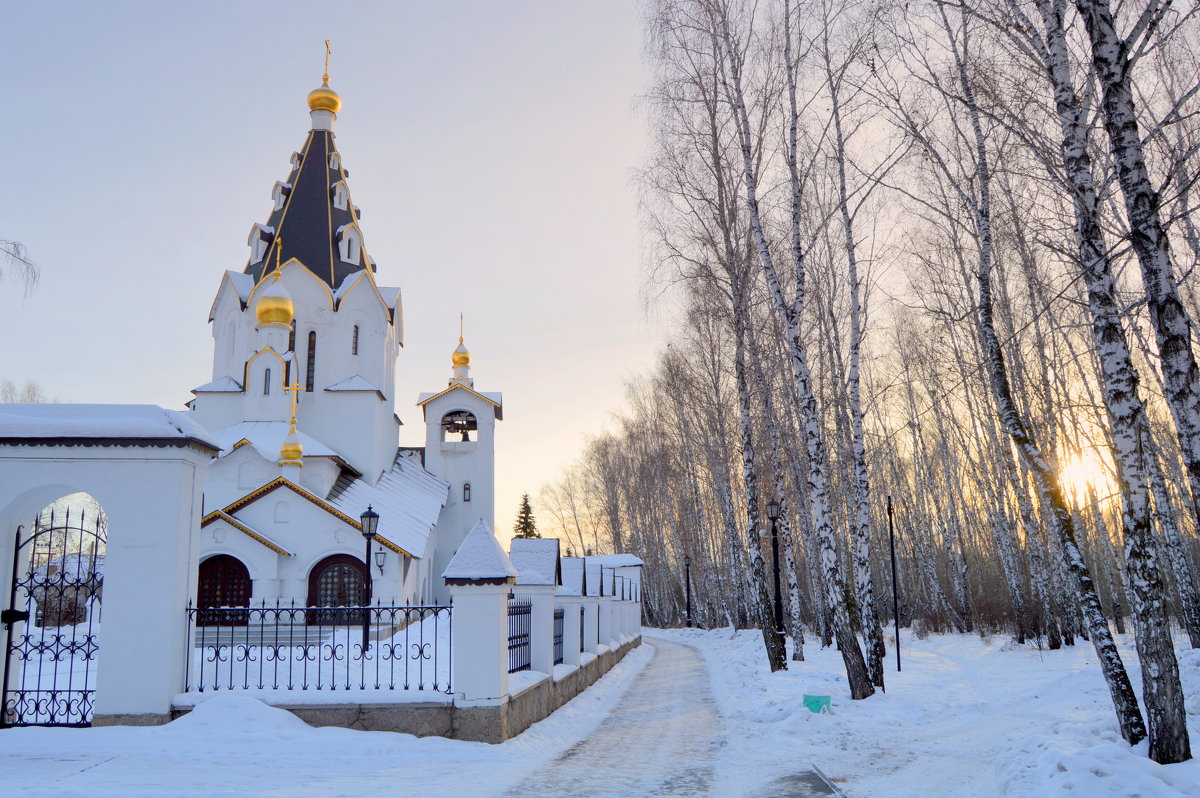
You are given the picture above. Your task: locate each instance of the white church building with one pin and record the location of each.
(302, 401)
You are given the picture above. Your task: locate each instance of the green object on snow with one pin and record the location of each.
(817, 703)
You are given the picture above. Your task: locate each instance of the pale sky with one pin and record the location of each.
(491, 147)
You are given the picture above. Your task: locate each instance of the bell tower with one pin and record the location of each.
(460, 428)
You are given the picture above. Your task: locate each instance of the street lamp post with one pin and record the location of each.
(687, 578)
(773, 514)
(370, 525)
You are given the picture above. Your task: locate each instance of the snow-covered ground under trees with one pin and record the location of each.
(965, 717)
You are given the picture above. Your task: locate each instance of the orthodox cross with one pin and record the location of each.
(295, 389)
(460, 326)
(325, 77)
(278, 250)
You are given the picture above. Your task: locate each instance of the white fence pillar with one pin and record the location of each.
(479, 641)
(591, 623)
(605, 626)
(541, 626)
(571, 628)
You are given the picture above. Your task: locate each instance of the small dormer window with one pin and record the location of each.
(280, 193)
(335, 161)
(295, 160)
(259, 241)
(466, 491)
(349, 243)
(341, 196)
(354, 341)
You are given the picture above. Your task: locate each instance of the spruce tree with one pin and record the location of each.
(525, 527)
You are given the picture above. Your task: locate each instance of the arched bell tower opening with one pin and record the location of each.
(459, 423)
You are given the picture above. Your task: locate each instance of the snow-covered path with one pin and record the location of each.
(661, 739)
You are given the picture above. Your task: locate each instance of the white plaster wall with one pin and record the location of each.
(152, 498)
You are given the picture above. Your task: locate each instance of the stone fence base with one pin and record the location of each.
(488, 724)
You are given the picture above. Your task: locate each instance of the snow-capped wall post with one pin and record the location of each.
(571, 628)
(591, 625)
(541, 630)
(479, 576)
(540, 575)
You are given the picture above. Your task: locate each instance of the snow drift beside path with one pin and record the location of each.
(232, 745)
(965, 717)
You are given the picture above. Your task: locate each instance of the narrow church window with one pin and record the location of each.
(354, 341)
(267, 382)
(466, 491)
(310, 377)
(292, 337)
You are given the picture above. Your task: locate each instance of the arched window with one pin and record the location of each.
(310, 376)
(336, 581)
(466, 491)
(292, 337)
(459, 422)
(224, 582)
(354, 341)
(266, 382)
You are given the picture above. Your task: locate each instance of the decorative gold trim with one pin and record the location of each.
(298, 262)
(240, 444)
(219, 515)
(284, 482)
(458, 386)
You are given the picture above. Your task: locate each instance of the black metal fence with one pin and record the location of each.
(559, 615)
(286, 647)
(520, 656)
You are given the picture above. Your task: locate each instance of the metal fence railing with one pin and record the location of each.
(519, 623)
(559, 615)
(286, 647)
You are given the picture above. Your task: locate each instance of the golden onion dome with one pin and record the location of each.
(274, 306)
(461, 357)
(291, 450)
(324, 99)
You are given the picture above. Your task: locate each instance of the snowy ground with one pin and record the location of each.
(965, 717)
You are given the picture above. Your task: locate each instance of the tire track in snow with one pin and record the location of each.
(659, 740)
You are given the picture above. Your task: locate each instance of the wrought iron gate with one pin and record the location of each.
(52, 622)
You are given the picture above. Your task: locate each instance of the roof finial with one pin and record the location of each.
(278, 249)
(460, 327)
(325, 77)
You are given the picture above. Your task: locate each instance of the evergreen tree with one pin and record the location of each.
(525, 527)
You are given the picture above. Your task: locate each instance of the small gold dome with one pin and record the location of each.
(324, 99)
(291, 450)
(274, 306)
(461, 357)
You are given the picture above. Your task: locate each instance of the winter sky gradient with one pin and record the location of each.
(491, 148)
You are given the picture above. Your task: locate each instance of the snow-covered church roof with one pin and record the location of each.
(266, 437)
(408, 499)
(22, 422)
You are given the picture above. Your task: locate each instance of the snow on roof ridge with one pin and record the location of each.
(479, 557)
(536, 559)
(100, 421)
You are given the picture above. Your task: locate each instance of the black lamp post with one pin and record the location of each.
(687, 578)
(773, 514)
(370, 524)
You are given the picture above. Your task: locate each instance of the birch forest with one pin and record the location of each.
(932, 258)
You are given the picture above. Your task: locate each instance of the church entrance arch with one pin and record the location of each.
(336, 581)
(53, 619)
(223, 587)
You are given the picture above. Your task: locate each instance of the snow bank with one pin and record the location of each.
(965, 717)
